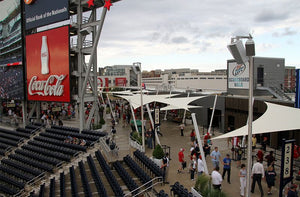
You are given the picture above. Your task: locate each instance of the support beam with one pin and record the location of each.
(200, 143)
(212, 115)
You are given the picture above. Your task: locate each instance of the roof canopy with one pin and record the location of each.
(276, 118)
(173, 103)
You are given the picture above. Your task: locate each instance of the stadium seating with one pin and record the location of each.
(109, 175)
(148, 163)
(84, 180)
(98, 182)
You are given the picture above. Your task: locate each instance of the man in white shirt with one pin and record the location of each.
(258, 173)
(216, 178)
(200, 166)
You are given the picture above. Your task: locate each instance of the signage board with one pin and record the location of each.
(238, 75)
(47, 65)
(44, 12)
(287, 160)
(120, 81)
(297, 95)
(102, 82)
(156, 117)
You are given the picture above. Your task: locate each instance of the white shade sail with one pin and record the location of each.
(276, 118)
(173, 103)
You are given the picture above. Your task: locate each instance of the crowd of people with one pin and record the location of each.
(260, 171)
(75, 140)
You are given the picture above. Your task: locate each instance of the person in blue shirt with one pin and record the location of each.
(226, 167)
(215, 157)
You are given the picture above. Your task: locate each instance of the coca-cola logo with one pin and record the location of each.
(50, 87)
(238, 70)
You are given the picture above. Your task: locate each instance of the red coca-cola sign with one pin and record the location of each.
(47, 64)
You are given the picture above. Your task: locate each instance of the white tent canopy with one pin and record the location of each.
(276, 118)
(173, 103)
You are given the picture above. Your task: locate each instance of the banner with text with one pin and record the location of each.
(44, 12)
(47, 61)
(238, 75)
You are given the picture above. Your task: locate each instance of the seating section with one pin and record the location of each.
(50, 149)
(162, 194)
(52, 188)
(65, 128)
(40, 154)
(148, 163)
(130, 183)
(62, 184)
(179, 190)
(138, 171)
(109, 175)
(98, 182)
(74, 189)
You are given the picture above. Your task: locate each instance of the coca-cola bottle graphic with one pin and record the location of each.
(44, 56)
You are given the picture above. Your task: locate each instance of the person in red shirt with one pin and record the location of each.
(181, 160)
(260, 154)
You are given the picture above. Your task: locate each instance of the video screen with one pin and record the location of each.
(11, 50)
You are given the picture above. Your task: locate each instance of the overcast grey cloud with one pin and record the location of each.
(151, 31)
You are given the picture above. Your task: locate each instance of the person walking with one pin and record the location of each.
(181, 129)
(243, 180)
(165, 167)
(200, 166)
(253, 142)
(270, 178)
(216, 178)
(193, 135)
(149, 138)
(257, 174)
(292, 191)
(181, 160)
(270, 159)
(226, 167)
(193, 167)
(215, 157)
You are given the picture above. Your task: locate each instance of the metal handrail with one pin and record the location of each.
(151, 181)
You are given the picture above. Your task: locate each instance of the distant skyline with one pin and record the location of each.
(165, 34)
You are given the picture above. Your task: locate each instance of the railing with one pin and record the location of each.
(109, 154)
(157, 180)
(134, 144)
(195, 193)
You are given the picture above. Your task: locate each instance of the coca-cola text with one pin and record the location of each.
(50, 87)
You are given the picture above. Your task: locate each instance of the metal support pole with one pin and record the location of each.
(133, 117)
(184, 113)
(24, 112)
(142, 108)
(200, 142)
(212, 115)
(250, 119)
(165, 118)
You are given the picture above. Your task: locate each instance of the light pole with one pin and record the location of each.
(242, 56)
(138, 67)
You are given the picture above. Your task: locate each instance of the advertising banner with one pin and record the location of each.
(44, 12)
(121, 81)
(102, 82)
(297, 95)
(238, 75)
(47, 61)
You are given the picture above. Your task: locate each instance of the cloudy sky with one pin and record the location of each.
(164, 34)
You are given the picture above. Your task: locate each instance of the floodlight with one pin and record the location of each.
(238, 51)
(250, 47)
(86, 31)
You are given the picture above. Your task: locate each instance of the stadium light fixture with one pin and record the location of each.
(242, 56)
